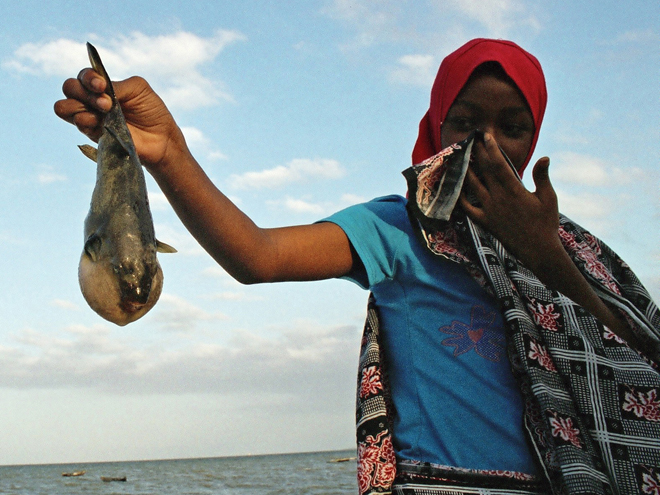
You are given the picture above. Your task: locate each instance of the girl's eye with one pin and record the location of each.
(461, 124)
(512, 130)
(515, 131)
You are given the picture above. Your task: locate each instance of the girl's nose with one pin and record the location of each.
(489, 128)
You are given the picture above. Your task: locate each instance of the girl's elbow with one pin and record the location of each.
(253, 276)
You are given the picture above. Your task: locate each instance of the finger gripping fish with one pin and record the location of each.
(119, 273)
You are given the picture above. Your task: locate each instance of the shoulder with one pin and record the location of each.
(376, 230)
(386, 210)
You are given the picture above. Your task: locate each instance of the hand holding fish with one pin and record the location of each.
(156, 135)
(249, 253)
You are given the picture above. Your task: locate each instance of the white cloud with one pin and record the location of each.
(298, 206)
(389, 22)
(637, 37)
(306, 206)
(8, 238)
(373, 22)
(570, 137)
(577, 168)
(48, 176)
(356, 11)
(64, 304)
(177, 314)
(568, 166)
(592, 210)
(574, 130)
(200, 143)
(194, 136)
(158, 201)
(95, 358)
(61, 57)
(216, 155)
(172, 63)
(497, 17)
(234, 288)
(216, 271)
(297, 170)
(584, 205)
(351, 199)
(235, 296)
(419, 70)
(179, 238)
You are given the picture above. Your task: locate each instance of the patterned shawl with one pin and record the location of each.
(592, 403)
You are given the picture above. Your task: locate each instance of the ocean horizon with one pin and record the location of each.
(167, 459)
(312, 473)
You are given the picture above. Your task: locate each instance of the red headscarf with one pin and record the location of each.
(455, 70)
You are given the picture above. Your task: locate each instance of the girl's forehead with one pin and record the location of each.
(492, 92)
(489, 82)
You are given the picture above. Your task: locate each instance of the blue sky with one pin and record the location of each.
(295, 110)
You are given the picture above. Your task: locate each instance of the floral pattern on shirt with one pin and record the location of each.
(483, 335)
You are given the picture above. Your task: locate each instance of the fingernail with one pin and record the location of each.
(487, 137)
(97, 84)
(104, 103)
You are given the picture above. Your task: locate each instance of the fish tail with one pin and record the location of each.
(97, 65)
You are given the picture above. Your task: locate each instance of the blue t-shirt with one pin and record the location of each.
(456, 401)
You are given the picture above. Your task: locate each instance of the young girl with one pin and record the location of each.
(501, 350)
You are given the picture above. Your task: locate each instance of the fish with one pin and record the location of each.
(119, 273)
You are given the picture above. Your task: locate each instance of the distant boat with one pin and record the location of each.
(113, 478)
(74, 473)
(342, 459)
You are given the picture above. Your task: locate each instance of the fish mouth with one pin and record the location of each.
(131, 306)
(135, 297)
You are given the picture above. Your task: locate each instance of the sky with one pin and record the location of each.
(295, 110)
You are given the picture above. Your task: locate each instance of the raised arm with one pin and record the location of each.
(527, 224)
(249, 253)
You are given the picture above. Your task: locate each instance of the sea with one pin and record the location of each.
(317, 473)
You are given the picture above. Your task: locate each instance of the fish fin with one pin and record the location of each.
(161, 247)
(93, 246)
(128, 148)
(97, 65)
(89, 151)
